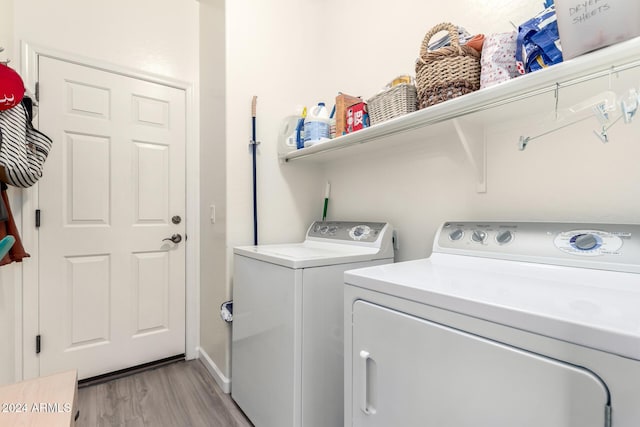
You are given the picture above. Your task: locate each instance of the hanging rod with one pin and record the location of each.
(524, 140)
(600, 105)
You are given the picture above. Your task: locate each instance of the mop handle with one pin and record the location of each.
(255, 189)
(253, 118)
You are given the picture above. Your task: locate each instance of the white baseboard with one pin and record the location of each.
(223, 382)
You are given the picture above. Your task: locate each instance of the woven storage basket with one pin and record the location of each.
(393, 102)
(447, 72)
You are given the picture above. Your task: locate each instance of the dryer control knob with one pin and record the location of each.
(478, 236)
(456, 234)
(504, 237)
(360, 232)
(586, 242)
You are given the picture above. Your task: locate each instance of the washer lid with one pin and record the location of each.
(594, 308)
(310, 254)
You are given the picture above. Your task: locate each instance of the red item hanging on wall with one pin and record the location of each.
(8, 227)
(11, 88)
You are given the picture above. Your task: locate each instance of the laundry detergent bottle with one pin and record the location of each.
(316, 125)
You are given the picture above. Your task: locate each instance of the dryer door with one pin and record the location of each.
(407, 371)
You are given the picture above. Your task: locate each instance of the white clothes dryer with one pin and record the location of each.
(287, 341)
(505, 324)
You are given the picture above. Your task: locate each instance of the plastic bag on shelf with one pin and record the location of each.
(538, 44)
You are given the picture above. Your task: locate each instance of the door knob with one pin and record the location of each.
(176, 238)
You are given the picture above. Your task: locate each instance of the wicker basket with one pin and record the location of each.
(447, 72)
(393, 102)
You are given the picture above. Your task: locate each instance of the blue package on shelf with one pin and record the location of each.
(538, 44)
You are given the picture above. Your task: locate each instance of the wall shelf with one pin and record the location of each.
(449, 117)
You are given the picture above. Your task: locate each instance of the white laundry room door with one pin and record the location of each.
(111, 283)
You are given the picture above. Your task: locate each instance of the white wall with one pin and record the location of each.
(6, 29)
(152, 36)
(215, 334)
(371, 42)
(266, 46)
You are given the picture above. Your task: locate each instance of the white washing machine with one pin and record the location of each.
(506, 324)
(287, 343)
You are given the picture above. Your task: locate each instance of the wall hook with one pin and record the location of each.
(612, 71)
(6, 61)
(557, 96)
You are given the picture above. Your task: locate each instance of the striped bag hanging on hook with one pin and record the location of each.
(23, 149)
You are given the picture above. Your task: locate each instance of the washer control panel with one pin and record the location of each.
(602, 246)
(346, 230)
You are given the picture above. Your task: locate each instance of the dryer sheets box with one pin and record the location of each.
(586, 25)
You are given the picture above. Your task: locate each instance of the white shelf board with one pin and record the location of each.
(428, 122)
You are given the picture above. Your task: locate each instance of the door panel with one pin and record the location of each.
(408, 372)
(151, 179)
(88, 184)
(89, 299)
(151, 282)
(112, 292)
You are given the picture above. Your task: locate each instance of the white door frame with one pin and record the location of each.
(27, 363)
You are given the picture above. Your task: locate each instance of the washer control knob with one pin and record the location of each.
(360, 232)
(478, 236)
(456, 234)
(585, 242)
(504, 237)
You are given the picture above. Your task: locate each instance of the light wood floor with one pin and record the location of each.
(181, 394)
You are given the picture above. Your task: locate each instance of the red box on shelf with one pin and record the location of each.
(357, 117)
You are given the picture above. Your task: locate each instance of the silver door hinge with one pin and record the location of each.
(38, 344)
(607, 416)
(37, 218)
(37, 94)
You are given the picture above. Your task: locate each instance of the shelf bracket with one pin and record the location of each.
(473, 141)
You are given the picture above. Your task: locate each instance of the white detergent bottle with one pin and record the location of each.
(316, 125)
